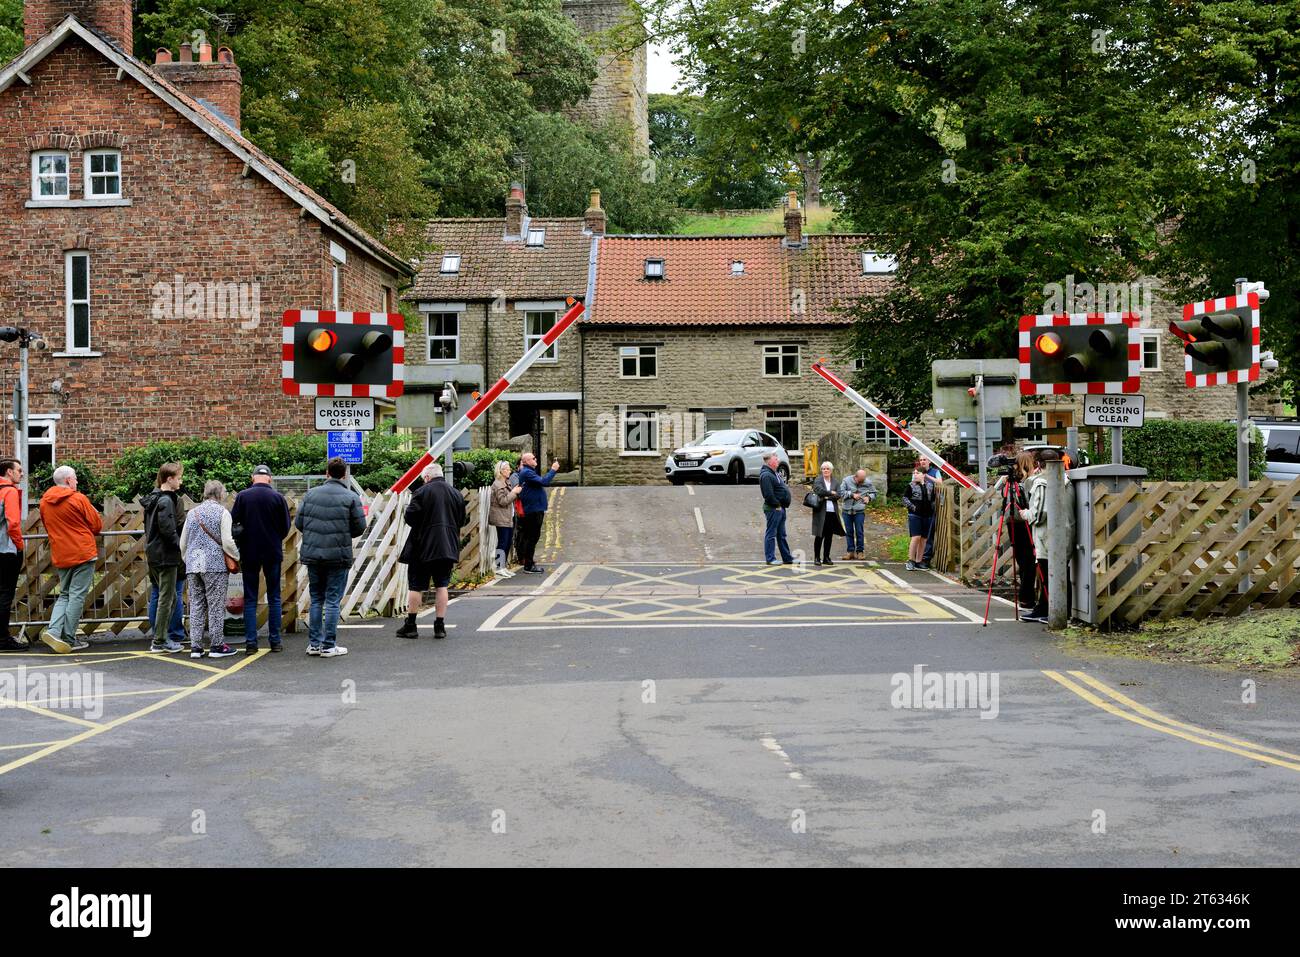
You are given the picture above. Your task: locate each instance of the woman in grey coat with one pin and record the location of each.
(826, 517)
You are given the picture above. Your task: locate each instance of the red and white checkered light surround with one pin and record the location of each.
(1030, 326)
(396, 324)
(1250, 374)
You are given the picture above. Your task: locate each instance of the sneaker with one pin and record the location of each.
(1035, 616)
(924, 566)
(817, 561)
(408, 632)
(313, 649)
(774, 562)
(222, 650)
(439, 629)
(79, 645)
(535, 570)
(20, 640)
(198, 653)
(167, 647)
(250, 649)
(9, 644)
(56, 643)
(827, 561)
(277, 647)
(337, 651)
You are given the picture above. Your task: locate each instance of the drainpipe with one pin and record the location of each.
(487, 374)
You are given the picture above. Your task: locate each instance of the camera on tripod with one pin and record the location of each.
(1003, 465)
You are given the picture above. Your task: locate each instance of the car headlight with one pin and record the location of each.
(713, 452)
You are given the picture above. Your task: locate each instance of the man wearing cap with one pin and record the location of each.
(261, 521)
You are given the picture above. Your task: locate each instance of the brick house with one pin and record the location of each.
(154, 246)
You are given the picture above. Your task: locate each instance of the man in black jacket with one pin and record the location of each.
(776, 499)
(162, 546)
(329, 517)
(261, 519)
(436, 515)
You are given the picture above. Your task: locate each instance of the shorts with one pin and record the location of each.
(418, 574)
(919, 525)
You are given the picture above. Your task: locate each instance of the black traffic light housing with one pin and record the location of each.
(1221, 345)
(342, 353)
(1060, 356)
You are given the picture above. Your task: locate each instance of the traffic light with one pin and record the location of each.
(343, 353)
(1079, 352)
(1220, 340)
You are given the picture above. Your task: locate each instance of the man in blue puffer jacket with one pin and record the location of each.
(329, 517)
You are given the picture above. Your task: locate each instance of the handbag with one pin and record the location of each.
(232, 566)
(812, 500)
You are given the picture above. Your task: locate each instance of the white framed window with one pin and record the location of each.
(1037, 421)
(536, 237)
(638, 362)
(50, 175)
(76, 284)
(40, 440)
(103, 173)
(339, 256)
(876, 434)
(640, 430)
(536, 325)
(781, 359)
(858, 364)
(444, 336)
(737, 267)
(783, 425)
(1150, 352)
(878, 264)
(450, 264)
(654, 269)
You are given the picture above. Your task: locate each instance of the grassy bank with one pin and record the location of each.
(756, 224)
(1264, 640)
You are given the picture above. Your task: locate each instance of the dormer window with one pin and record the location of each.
(654, 269)
(50, 175)
(878, 264)
(536, 237)
(737, 267)
(103, 169)
(451, 264)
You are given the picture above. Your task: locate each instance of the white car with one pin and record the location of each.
(731, 454)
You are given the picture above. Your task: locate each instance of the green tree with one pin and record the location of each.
(11, 29)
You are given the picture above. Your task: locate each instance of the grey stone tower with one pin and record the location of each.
(619, 90)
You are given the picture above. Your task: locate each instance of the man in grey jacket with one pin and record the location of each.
(856, 492)
(329, 517)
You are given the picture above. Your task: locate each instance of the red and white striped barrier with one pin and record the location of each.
(478, 408)
(873, 411)
(1193, 309)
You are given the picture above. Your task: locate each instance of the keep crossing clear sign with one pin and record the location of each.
(344, 445)
(1118, 411)
(340, 413)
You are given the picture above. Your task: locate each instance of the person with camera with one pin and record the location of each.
(1044, 526)
(1015, 499)
(919, 497)
(856, 492)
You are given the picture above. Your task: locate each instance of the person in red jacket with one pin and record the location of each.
(11, 547)
(72, 524)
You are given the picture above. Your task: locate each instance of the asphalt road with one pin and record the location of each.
(660, 697)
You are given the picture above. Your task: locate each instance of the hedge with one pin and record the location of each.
(387, 456)
(1178, 450)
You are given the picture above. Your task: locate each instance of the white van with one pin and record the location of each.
(1281, 448)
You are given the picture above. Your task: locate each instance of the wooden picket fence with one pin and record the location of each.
(1190, 556)
(119, 596)
(1164, 550)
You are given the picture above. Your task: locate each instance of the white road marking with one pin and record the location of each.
(952, 581)
(964, 612)
(615, 625)
(771, 744)
(699, 520)
(690, 489)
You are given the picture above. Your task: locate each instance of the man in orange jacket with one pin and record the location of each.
(11, 547)
(72, 524)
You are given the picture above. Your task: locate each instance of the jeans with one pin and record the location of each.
(530, 531)
(74, 585)
(326, 584)
(774, 537)
(270, 567)
(175, 628)
(10, 565)
(165, 599)
(504, 535)
(854, 525)
(929, 539)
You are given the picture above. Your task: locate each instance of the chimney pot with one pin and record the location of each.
(793, 221)
(163, 55)
(226, 55)
(187, 53)
(516, 211)
(205, 52)
(594, 217)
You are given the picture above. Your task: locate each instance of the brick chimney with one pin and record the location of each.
(216, 84)
(516, 211)
(110, 17)
(793, 220)
(594, 217)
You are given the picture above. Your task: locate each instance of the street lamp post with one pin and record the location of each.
(26, 339)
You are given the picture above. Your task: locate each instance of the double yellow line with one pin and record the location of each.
(1141, 714)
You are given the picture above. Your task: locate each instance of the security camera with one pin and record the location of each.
(38, 343)
(1267, 361)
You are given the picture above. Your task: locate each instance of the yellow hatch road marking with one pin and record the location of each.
(37, 709)
(1166, 725)
(118, 722)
